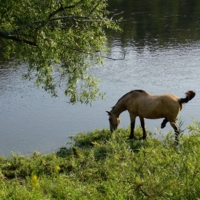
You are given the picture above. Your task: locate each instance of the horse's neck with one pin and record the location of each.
(119, 108)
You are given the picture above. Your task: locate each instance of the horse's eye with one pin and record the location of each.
(109, 120)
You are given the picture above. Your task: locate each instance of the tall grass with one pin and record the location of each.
(101, 165)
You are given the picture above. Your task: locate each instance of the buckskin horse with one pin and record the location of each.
(140, 103)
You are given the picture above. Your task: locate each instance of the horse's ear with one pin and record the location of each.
(108, 112)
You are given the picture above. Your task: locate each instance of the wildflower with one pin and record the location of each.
(34, 181)
(94, 143)
(117, 156)
(57, 168)
(139, 183)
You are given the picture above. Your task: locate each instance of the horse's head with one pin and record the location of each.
(113, 120)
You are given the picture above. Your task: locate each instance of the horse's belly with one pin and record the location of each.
(153, 115)
(158, 115)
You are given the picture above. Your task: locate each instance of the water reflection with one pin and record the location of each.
(157, 24)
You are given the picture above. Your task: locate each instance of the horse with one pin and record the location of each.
(145, 105)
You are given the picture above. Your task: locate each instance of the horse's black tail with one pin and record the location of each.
(189, 96)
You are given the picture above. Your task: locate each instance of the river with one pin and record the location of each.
(161, 43)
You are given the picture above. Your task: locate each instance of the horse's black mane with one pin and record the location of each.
(142, 91)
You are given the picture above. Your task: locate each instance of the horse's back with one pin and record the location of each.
(156, 106)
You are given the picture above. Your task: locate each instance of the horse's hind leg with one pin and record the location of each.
(176, 130)
(164, 123)
(143, 127)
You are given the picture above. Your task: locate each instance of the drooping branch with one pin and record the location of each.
(17, 39)
(35, 26)
(16, 36)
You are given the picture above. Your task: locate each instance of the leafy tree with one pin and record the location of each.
(59, 40)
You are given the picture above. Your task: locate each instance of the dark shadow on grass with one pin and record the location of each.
(136, 144)
(86, 141)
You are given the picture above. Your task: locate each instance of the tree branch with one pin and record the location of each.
(94, 8)
(10, 34)
(17, 39)
(60, 9)
(16, 34)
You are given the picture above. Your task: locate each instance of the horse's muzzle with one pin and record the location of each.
(112, 129)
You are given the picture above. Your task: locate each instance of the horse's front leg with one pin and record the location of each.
(132, 127)
(143, 127)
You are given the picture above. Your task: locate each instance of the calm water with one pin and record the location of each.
(162, 48)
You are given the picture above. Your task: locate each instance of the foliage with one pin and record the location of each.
(101, 165)
(58, 40)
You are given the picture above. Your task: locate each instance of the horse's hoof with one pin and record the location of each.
(131, 138)
(162, 125)
(143, 138)
(176, 143)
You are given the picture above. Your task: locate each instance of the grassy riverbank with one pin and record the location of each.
(103, 166)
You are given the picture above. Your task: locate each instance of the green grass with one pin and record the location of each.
(100, 165)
